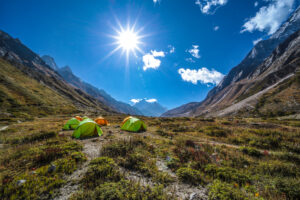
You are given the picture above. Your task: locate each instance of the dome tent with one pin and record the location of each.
(101, 121)
(87, 128)
(133, 124)
(71, 124)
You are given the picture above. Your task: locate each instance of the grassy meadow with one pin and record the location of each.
(227, 158)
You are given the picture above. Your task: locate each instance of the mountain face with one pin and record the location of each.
(28, 67)
(152, 109)
(263, 67)
(50, 61)
(100, 95)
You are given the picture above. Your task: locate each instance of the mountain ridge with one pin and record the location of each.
(232, 83)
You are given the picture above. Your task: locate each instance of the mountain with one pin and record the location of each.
(30, 87)
(100, 95)
(50, 61)
(236, 86)
(152, 109)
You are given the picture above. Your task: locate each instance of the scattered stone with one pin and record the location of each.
(51, 168)
(145, 136)
(3, 128)
(21, 182)
(117, 126)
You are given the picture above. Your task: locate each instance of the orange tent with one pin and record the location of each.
(126, 119)
(78, 118)
(101, 121)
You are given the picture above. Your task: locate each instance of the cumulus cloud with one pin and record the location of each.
(171, 49)
(202, 75)
(151, 100)
(210, 6)
(269, 18)
(151, 61)
(195, 51)
(135, 100)
(216, 28)
(257, 41)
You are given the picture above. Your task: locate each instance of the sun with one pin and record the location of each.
(128, 40)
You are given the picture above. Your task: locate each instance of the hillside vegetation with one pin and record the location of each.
(23, 97)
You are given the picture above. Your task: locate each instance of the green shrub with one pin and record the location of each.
(219, 190)
(215, 131)
(101, 170)
(276, 168)
(189, 175)
(290, 187)
(227, 174)
(251, 151)
(122, 190)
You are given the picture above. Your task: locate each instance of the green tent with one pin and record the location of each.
(87, 128)
(71, 124)
(134, 125)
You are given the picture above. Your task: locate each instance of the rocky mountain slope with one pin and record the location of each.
(235, 87)
(99, 94)
(153, 109)
(32, 83)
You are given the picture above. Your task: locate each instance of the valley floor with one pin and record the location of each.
(176, 158)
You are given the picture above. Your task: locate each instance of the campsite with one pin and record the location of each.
(175, 158)
(150, 100)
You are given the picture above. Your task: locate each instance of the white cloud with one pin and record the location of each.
(135, 100)
(216, 28)
(189, 60)
(150, 59)
(155, 1)
(195, 51)
(255, 4)
(269, 18)
(158, 53)
(210, 6)
(151, 100)
(257, 41)
(202, 75)
(171, 49)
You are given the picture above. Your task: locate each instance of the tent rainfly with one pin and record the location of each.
(133, 124)
(101, 121)
(87, 128)
(71, 124)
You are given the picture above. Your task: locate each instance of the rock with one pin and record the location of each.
(21, 182)
(51, 168)
(117, 126)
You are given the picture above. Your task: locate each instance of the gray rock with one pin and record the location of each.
(21, 182)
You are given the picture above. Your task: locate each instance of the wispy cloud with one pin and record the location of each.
(255, 4)
(216, 28)
(189, 60)
(210, 6)
(151, 61)
(156, 1)
(194, 51)
(257, 41)
(269, 18)
(202, 75)
(171, 49)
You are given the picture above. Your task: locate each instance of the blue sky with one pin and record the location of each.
(186, 47)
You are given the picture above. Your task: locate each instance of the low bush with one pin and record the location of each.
(101, 170)
(251, 151)
(190, 176)
(225, 191)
